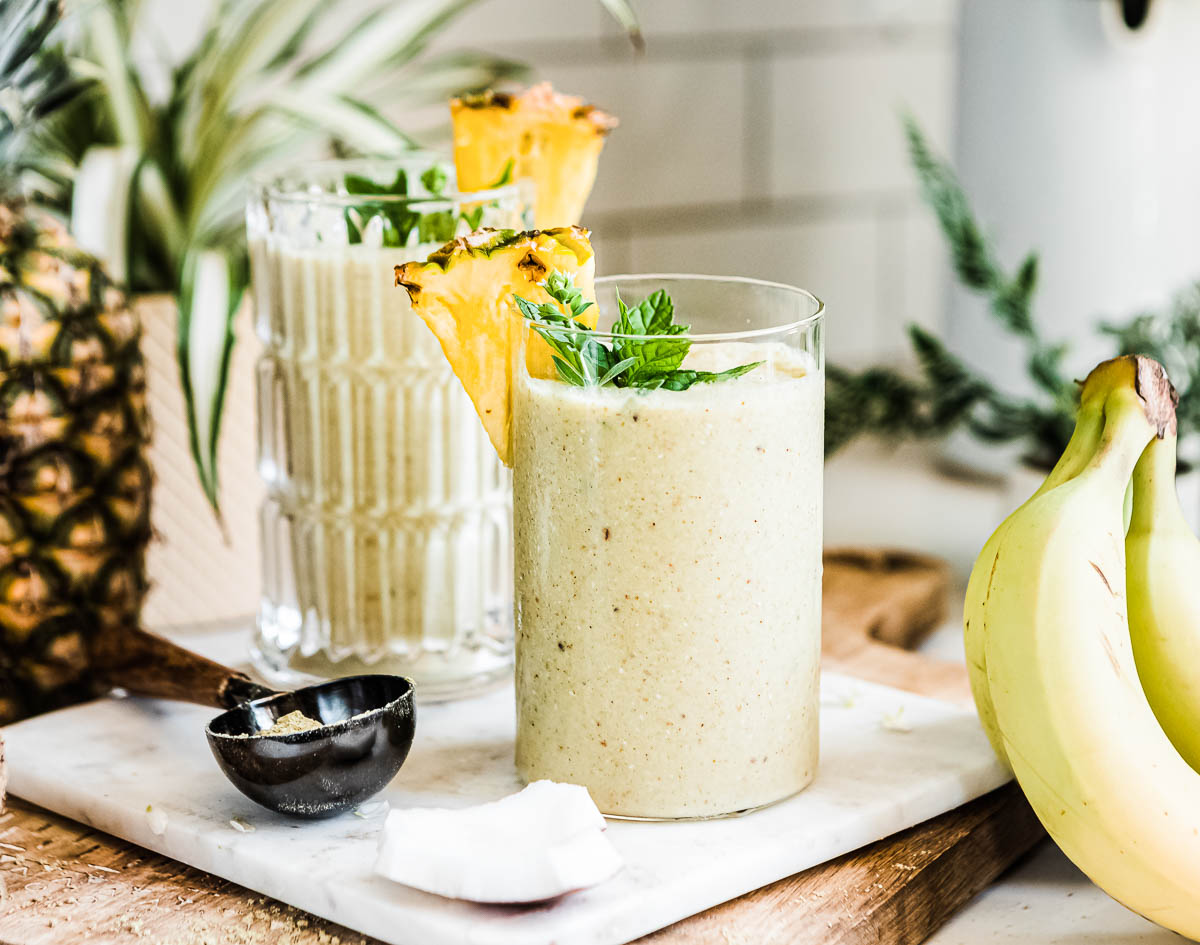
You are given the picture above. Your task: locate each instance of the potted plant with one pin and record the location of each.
(1069, 138)
(946, 395)
(154, 186)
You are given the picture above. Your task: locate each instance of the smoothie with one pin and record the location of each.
(386, 535)
(668, 576)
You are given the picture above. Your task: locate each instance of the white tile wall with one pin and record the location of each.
(825, 257)
(614, 251)
(835, 119)
(682, 132)
(913, 274)
(521, 21)
(760, 137)
(721, 16)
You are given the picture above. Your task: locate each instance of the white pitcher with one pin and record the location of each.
(1078, 137)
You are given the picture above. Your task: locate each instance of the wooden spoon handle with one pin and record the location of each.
(147, 665)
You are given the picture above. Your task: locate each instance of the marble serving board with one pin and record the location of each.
(142, 770)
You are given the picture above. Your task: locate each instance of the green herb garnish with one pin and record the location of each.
(400, 221)
(505, 177)
(647, 363)
(434, 180)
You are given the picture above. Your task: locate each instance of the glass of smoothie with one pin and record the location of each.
(668, 547)
(386, 530)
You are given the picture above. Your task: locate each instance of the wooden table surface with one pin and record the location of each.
(65, 883)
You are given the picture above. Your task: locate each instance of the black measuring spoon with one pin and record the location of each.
(366, 731)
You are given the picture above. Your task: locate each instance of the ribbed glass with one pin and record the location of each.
(387, 526)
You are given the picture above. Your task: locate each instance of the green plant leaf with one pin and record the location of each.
(210, 292)
(356, 123)
(100, 205)
(262, 38)
(435, 79)
(108, 36)
(151, 199)
(622, 12)
(386, 37)
(267, 81)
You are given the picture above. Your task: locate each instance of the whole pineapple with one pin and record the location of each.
(74, 481)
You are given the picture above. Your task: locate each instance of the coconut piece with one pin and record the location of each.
(537, 844)
(3, 773)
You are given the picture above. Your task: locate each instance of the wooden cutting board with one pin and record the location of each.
(66, 882)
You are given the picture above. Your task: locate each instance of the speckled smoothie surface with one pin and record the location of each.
(668, 576)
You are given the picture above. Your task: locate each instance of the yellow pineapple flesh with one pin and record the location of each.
(464, 293)
(551, 138)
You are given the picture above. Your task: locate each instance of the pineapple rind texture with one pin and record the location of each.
(464, 292)
(74, 479)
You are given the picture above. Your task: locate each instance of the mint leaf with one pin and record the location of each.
(654, 315)
(682, 380)
(561, 287)
(434, 180)
(399, 221)
(435, 227)
(569, 373)
(506, 177)
(616, 369)
(648, 363)
(473, 217)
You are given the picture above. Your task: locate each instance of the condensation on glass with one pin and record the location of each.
(386, 529)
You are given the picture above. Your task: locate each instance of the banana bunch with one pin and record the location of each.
(1083, 646)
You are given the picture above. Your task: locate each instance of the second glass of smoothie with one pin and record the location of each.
(668, 561)
(386, 529)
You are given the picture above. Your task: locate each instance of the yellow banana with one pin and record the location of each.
(1079, 450)
(1076, 727)
(1163, 587)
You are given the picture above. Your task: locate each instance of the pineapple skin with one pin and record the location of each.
(74, 478)
(463, 292)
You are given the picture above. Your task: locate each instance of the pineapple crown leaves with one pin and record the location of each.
(945, 394)
(36, 78)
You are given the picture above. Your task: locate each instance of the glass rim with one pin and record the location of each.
(807, 321)
(270, 184)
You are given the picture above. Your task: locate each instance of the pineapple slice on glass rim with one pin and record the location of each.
(464, 293)
(553, 139)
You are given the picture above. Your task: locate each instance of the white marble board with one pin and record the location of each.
(888, 760)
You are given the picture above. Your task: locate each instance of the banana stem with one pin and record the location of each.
(1127, 430)
(1085, 439)
(1154, 495)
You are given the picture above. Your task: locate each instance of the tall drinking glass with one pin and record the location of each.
(668, 560)
(386, 528)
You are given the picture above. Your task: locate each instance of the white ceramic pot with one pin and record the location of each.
(1078, 137)
(199, 575)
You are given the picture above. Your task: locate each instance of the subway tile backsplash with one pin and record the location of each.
(760, 138)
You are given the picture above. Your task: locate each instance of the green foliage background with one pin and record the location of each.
(945, 394)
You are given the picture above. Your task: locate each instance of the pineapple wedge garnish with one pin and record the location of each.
(551, 138)
(464, 293)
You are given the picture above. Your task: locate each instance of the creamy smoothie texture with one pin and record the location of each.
(668, 575)
(386, 527)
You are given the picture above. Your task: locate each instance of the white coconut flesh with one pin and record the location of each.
(537, 844)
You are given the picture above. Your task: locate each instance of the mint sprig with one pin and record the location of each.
(399, 220)
(647, 363)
